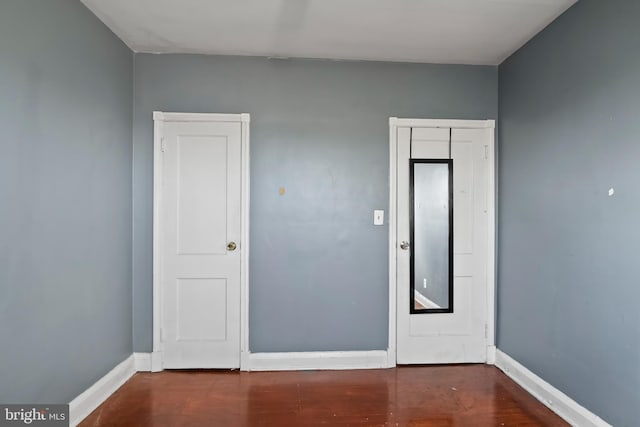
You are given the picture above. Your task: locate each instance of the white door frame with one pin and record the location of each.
(394, 124)
(159, 118)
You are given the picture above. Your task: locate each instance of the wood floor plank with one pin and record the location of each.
(433, 396)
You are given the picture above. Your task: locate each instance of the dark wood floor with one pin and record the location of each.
(470, 395)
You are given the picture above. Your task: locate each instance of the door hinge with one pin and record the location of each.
(162, 144)
(486, 330)
(486, 152)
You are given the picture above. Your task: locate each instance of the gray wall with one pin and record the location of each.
(568, 254)
(320, 129)
(65, 200)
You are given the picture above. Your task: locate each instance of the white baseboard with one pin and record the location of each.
(148, 362)
(491, 355)
(244, 360)
(327, 360)
(391, 358)
(92, 397)
(554, 399)
(142, 362)
(156, 361)
(567, 408)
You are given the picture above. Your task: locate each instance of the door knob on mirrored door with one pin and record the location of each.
(404, 245)
(231, 246)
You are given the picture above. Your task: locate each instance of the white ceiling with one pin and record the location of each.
(436, 31)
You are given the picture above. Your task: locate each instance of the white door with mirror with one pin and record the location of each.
(443, 262)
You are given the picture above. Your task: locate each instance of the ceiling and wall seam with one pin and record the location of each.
(464, 32)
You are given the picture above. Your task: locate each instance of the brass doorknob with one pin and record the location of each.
(231, 246)
(404, 245)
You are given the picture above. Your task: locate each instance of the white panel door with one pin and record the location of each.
(200, 241)
(458, 336)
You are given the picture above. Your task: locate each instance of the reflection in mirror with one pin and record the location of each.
(431, 189)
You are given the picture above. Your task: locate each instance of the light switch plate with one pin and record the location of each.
(378, 217)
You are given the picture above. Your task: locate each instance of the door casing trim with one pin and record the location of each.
(394, 124)
(159, 118)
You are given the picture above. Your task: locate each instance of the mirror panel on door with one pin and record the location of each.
(431, 222)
